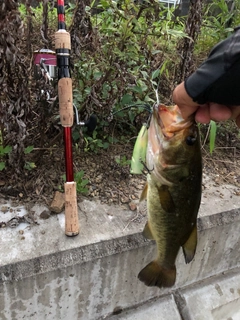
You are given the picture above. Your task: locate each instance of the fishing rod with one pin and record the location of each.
(146, 107)
(65, 96)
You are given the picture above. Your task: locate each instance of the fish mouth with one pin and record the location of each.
(170, 120)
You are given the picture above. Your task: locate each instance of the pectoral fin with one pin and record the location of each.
(166, 199)
(189, 247)
(147, 233)
(144, 193)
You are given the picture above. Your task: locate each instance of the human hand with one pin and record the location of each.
(206, 112)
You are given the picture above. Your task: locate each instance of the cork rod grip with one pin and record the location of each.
(65, 102)
(62, 39)
(63, 47)
(71, 210)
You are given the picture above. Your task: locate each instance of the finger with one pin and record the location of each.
(238, 121)
(203, 114)
(219, 112)
(235, 112)
(187, 111)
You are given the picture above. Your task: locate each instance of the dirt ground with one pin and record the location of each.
(109, 181)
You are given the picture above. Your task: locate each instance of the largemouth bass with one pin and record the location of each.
(173, 192)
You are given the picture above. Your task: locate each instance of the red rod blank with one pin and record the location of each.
(68, 154)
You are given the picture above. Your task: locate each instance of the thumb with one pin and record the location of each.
(185, 103)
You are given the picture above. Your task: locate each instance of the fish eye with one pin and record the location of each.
(190, 140)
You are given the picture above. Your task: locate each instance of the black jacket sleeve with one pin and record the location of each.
(218, 78)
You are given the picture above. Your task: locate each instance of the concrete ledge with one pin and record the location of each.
(46, 275)
(214, 299)
(217, 298)
(157, 309)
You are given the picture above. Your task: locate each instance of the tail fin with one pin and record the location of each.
(155, 275)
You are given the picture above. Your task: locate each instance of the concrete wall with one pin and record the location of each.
(49, 276)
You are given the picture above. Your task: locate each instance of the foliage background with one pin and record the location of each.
(123, 52)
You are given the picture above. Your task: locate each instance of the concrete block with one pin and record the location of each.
(161, 309)
(215, 299)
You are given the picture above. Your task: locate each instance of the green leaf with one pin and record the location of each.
(2, 165)
(112, 139)
(145, 74)
(126, 99)
(78, 175)
(75, 135)
(88, 90)
(137, 89)
(163, 66)
(118, 159)
(156, 51)
(82, 190)
(29, 165)
(97, 75)
(213, 131)
(105, 145)
(94, 134)
(104, 4)
(131, 115)
(84, 182)
(28, 149)
(5, 150)
(80, 182)
(144, 87)
(155, 74)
